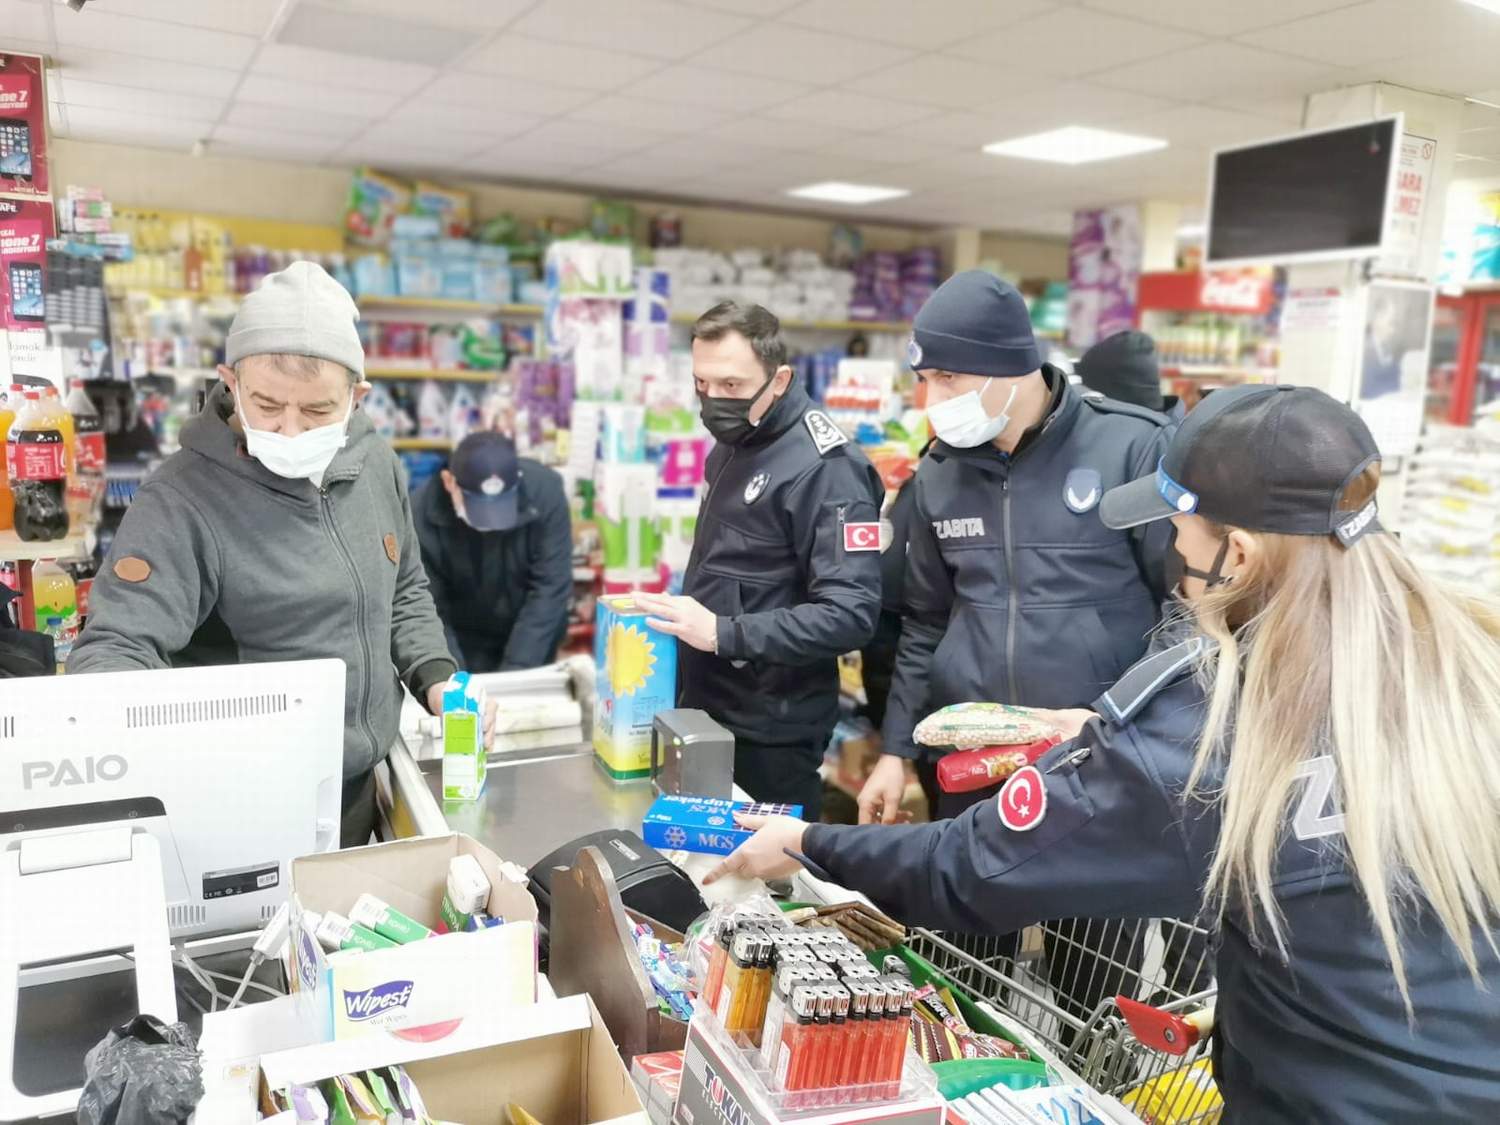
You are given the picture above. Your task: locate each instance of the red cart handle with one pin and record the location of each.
(1168, 1032)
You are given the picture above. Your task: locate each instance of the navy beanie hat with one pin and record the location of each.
(974, 324)
(1123, 367)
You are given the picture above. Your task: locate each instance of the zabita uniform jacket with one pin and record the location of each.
(787, 554)
(220, 561)
(1313, 1032)
(1015, 591)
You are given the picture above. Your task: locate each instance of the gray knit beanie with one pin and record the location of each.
(298, 311)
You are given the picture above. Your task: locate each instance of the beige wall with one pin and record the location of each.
(1026, 255)
(308, 194)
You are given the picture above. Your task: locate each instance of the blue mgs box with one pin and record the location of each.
(702, 824)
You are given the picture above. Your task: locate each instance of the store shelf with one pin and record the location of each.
(1215, 371)
(454, 375)
(15, 549)
(171, 294)
(417, 445)
(435, 304)
(893, 326)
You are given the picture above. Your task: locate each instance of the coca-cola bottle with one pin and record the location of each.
(35, 455)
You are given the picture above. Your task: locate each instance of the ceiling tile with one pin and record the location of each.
(1205, 125)
(145, 74)
(500, 92)
(1217, 17)
(850, 110)
(794, 53)
(532, 150)
(665, 117)
(1036, 107)
(122, 126)
(171, 42)
(398, 152)
(764, 9)
(234, 140)
(282, 60)
(1088, 41)
(242, 17)
(603, 139)
(422, 113)
(943, 81)
(925, 26)
(741, 92)
(25, 20)
(273, 119)
(894, 149)
(1225, 69)
(1379, 29)
(470, 15)
(777, 134)
(1480, 142)
(1465, 69)
(149, 103)
(1286, 111)
(564, 64)
(647, 27)
(323, 99)
(710, 152)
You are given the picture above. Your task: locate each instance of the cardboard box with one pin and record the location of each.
(425, 989)
(558, 1063)
(637, 677)
(717, 1087)
(702, 824)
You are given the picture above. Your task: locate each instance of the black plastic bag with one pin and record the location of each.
(144, 1072)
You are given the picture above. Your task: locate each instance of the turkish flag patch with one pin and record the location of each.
(862, 537)
(1023, 801)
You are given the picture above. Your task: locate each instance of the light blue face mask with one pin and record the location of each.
(963, 422)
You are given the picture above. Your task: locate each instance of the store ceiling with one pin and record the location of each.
(739, 100)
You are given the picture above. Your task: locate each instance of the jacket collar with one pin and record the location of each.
(210, 434)
(785, 413)
(1062, 410)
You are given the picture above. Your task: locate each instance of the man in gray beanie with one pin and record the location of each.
(281, 530)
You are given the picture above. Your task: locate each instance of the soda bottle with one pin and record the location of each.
(57, 414)
(88, 455)
(37, 467)
(10, 399)
(56, 606)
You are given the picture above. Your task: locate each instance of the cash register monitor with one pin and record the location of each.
(236, 771)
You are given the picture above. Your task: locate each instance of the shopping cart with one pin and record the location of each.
(1061, 982)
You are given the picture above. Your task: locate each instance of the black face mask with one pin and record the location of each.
(1176, 567)
(728, 419)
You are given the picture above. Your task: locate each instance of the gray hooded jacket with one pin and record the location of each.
(221, 561)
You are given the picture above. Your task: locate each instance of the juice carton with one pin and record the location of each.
(463, 739)
(637, 678)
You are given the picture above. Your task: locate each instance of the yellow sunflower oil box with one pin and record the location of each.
(637, 677)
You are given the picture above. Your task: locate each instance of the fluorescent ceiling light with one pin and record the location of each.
(1075, 144)
(1487, 5)
(857, 194)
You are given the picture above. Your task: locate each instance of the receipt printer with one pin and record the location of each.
(648, 881)
(691, 755)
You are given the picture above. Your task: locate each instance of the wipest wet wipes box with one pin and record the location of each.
(702, 824)
(427, 988)
(637, 677)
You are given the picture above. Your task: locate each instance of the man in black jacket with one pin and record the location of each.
(1123, 367)
(497, 543)
(785, 571)
(1015, 591)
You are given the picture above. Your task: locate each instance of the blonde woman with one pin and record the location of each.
(1316, 760)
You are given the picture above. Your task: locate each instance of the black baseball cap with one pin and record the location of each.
(1261, 458)
(484, 465)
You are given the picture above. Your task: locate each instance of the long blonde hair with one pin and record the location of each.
(1357, 654)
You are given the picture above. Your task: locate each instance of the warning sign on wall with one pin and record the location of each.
(1408, 204)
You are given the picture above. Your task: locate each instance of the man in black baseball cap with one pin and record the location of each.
(497, 543)
(1303, 449)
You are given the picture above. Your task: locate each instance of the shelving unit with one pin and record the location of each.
(454, 375)
(419, 445)
(436, 304)
(172, 294)
(1216, 371)
(892, 326)
(15, 549)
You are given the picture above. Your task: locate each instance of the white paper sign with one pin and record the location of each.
(1408, 203)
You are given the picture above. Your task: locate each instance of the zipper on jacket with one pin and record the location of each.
(364, 640)
(708, 500)
(1013, 601)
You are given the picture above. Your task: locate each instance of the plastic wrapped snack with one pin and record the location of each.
(970, 726)
(967, 770)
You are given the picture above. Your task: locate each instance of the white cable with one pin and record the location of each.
(198, 975)
(272, 938)
(245, 982)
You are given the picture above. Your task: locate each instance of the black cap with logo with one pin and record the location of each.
(1261, 458)
(484, 465)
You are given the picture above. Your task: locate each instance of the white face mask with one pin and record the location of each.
(963, 422)
(305, 456)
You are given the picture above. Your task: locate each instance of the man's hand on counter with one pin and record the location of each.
(683, 618)
(763, 856)
(435, 706)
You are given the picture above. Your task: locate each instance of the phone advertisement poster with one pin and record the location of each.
(23, 125)
(25, 227)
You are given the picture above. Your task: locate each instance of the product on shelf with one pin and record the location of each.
(56, 600)
(36, 462)
(452, 208)
(11, 400)
(374, 202)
